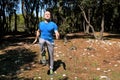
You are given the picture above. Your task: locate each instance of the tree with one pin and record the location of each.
(28, 8)
(7, 9)
(82, 6)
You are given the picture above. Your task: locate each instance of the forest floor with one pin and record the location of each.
(81, 58)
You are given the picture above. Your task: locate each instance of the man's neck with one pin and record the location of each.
(47, 21)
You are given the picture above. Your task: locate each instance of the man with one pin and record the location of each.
(45, 32)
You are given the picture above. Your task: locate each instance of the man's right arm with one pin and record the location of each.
(37, 36)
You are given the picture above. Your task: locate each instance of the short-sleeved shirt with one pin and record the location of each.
(47, 30)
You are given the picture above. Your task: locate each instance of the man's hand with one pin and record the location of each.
(35, 41)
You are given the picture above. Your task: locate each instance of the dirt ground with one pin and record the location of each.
(80, 58)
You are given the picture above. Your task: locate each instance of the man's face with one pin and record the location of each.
(47, 15)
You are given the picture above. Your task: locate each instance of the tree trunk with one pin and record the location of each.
(84, 15)
(15, 22)
(84, 26)
(87, 26)
(102, 27)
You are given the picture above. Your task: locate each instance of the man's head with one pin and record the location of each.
(47, 15)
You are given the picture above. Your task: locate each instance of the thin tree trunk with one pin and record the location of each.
(15, 22)
(84, 15)
(84, 26)
(87, 26)
(102, 27)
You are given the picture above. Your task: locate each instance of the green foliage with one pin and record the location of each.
(67, 26)
(20, 23)
(20, 19)
(88, 3)
(64, 29)
(66, 12)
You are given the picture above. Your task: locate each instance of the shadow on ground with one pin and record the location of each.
(115, 36)
(12, 61)
(14, 40)
(58, 64)
(91, 36)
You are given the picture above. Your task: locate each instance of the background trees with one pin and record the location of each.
(70, 15)
(7, 13)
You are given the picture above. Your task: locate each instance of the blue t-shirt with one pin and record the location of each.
(47, 30)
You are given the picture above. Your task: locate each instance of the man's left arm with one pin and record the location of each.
(57, 34)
